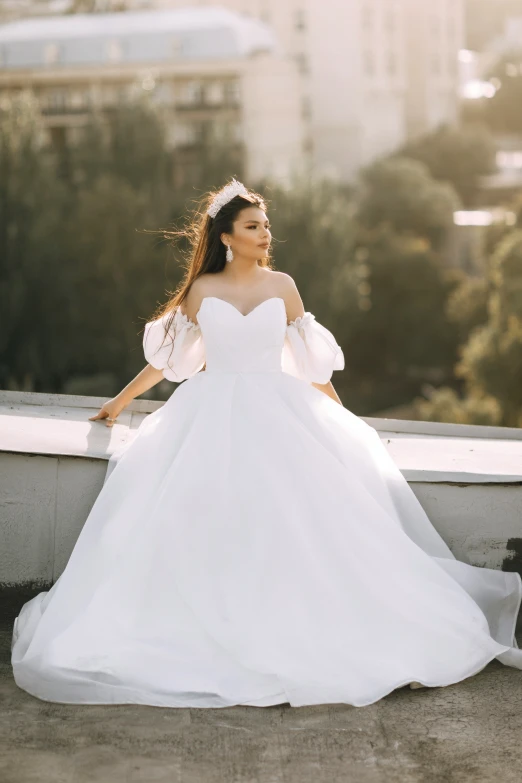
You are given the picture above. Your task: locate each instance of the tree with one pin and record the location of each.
(380, 287)
(401, 193)
(399, 337)
(34, 209)
(316, 221)
(459, 155)
(97, 6)
(491, 360)
(467, 306)
(79, 273)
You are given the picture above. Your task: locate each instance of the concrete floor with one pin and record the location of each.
(467, 733)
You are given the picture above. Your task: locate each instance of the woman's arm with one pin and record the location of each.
(143, 381)
(295, 308)
(328, 389)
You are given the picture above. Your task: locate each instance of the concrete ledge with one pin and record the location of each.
(57, 424)
(53, 463)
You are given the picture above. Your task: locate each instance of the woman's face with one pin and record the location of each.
(252, 236)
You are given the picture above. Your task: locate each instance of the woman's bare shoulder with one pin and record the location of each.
(199, 288)
(288, 291)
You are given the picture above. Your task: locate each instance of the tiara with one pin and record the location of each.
(229, 192)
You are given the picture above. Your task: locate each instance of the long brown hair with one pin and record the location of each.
(207, 254)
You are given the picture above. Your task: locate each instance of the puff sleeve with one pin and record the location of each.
(180, 353)
(310, 351)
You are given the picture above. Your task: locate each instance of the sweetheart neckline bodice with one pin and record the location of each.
(301, 347)
(242, 315)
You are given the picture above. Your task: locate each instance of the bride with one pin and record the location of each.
(255, 543)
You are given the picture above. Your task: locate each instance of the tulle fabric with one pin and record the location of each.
(256, 544)
(178, 350)
(311, 352)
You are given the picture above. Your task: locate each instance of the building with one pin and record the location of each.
(477, 85)
(221, 78)
(435, 34)
(369, 74)
(373, 73)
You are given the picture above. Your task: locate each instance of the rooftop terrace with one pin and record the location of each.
(52, 465)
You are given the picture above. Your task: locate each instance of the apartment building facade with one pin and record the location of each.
(372, 73)
(347, 81)
(220, 77)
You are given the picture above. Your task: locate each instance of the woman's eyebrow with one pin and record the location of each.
(257, 221)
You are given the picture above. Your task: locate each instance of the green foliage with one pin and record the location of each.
(33, 210)
(445, 404)
(314, 238)
(383, 293)
(81, 274)
(506, 278)
(491, 359)
(467, 306)
(129, 142)
(459, 155)
(399, 336)
(401, 193)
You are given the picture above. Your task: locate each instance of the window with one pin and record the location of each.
(300, 19)
(79, 99)
(367, 16)
(452, 64)
(108, 94)
(57, 100)
(302, 63)
(369, 63)
(232, 93)
(390, 20)
(185, 133)
(192, 92)
(452, 27)
(306, 108)
(192, 133)
(227, 132)
(215, 93)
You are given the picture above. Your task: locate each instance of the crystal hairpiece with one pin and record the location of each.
(229, 192)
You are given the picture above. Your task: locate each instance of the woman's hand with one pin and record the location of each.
(144, 381)
(109, 411)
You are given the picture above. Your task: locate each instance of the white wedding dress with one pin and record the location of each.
(256, 544)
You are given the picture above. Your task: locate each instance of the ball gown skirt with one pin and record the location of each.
(256, 544)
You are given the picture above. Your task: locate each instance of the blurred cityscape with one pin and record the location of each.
(385, 134)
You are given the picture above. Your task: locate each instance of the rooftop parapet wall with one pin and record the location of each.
(53, 462)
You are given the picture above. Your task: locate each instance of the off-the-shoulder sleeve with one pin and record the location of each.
(310, 350)
(180, 352)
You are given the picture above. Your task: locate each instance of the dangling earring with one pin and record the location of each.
(230, 254)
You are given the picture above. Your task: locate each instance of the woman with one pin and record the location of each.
(255, 544)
